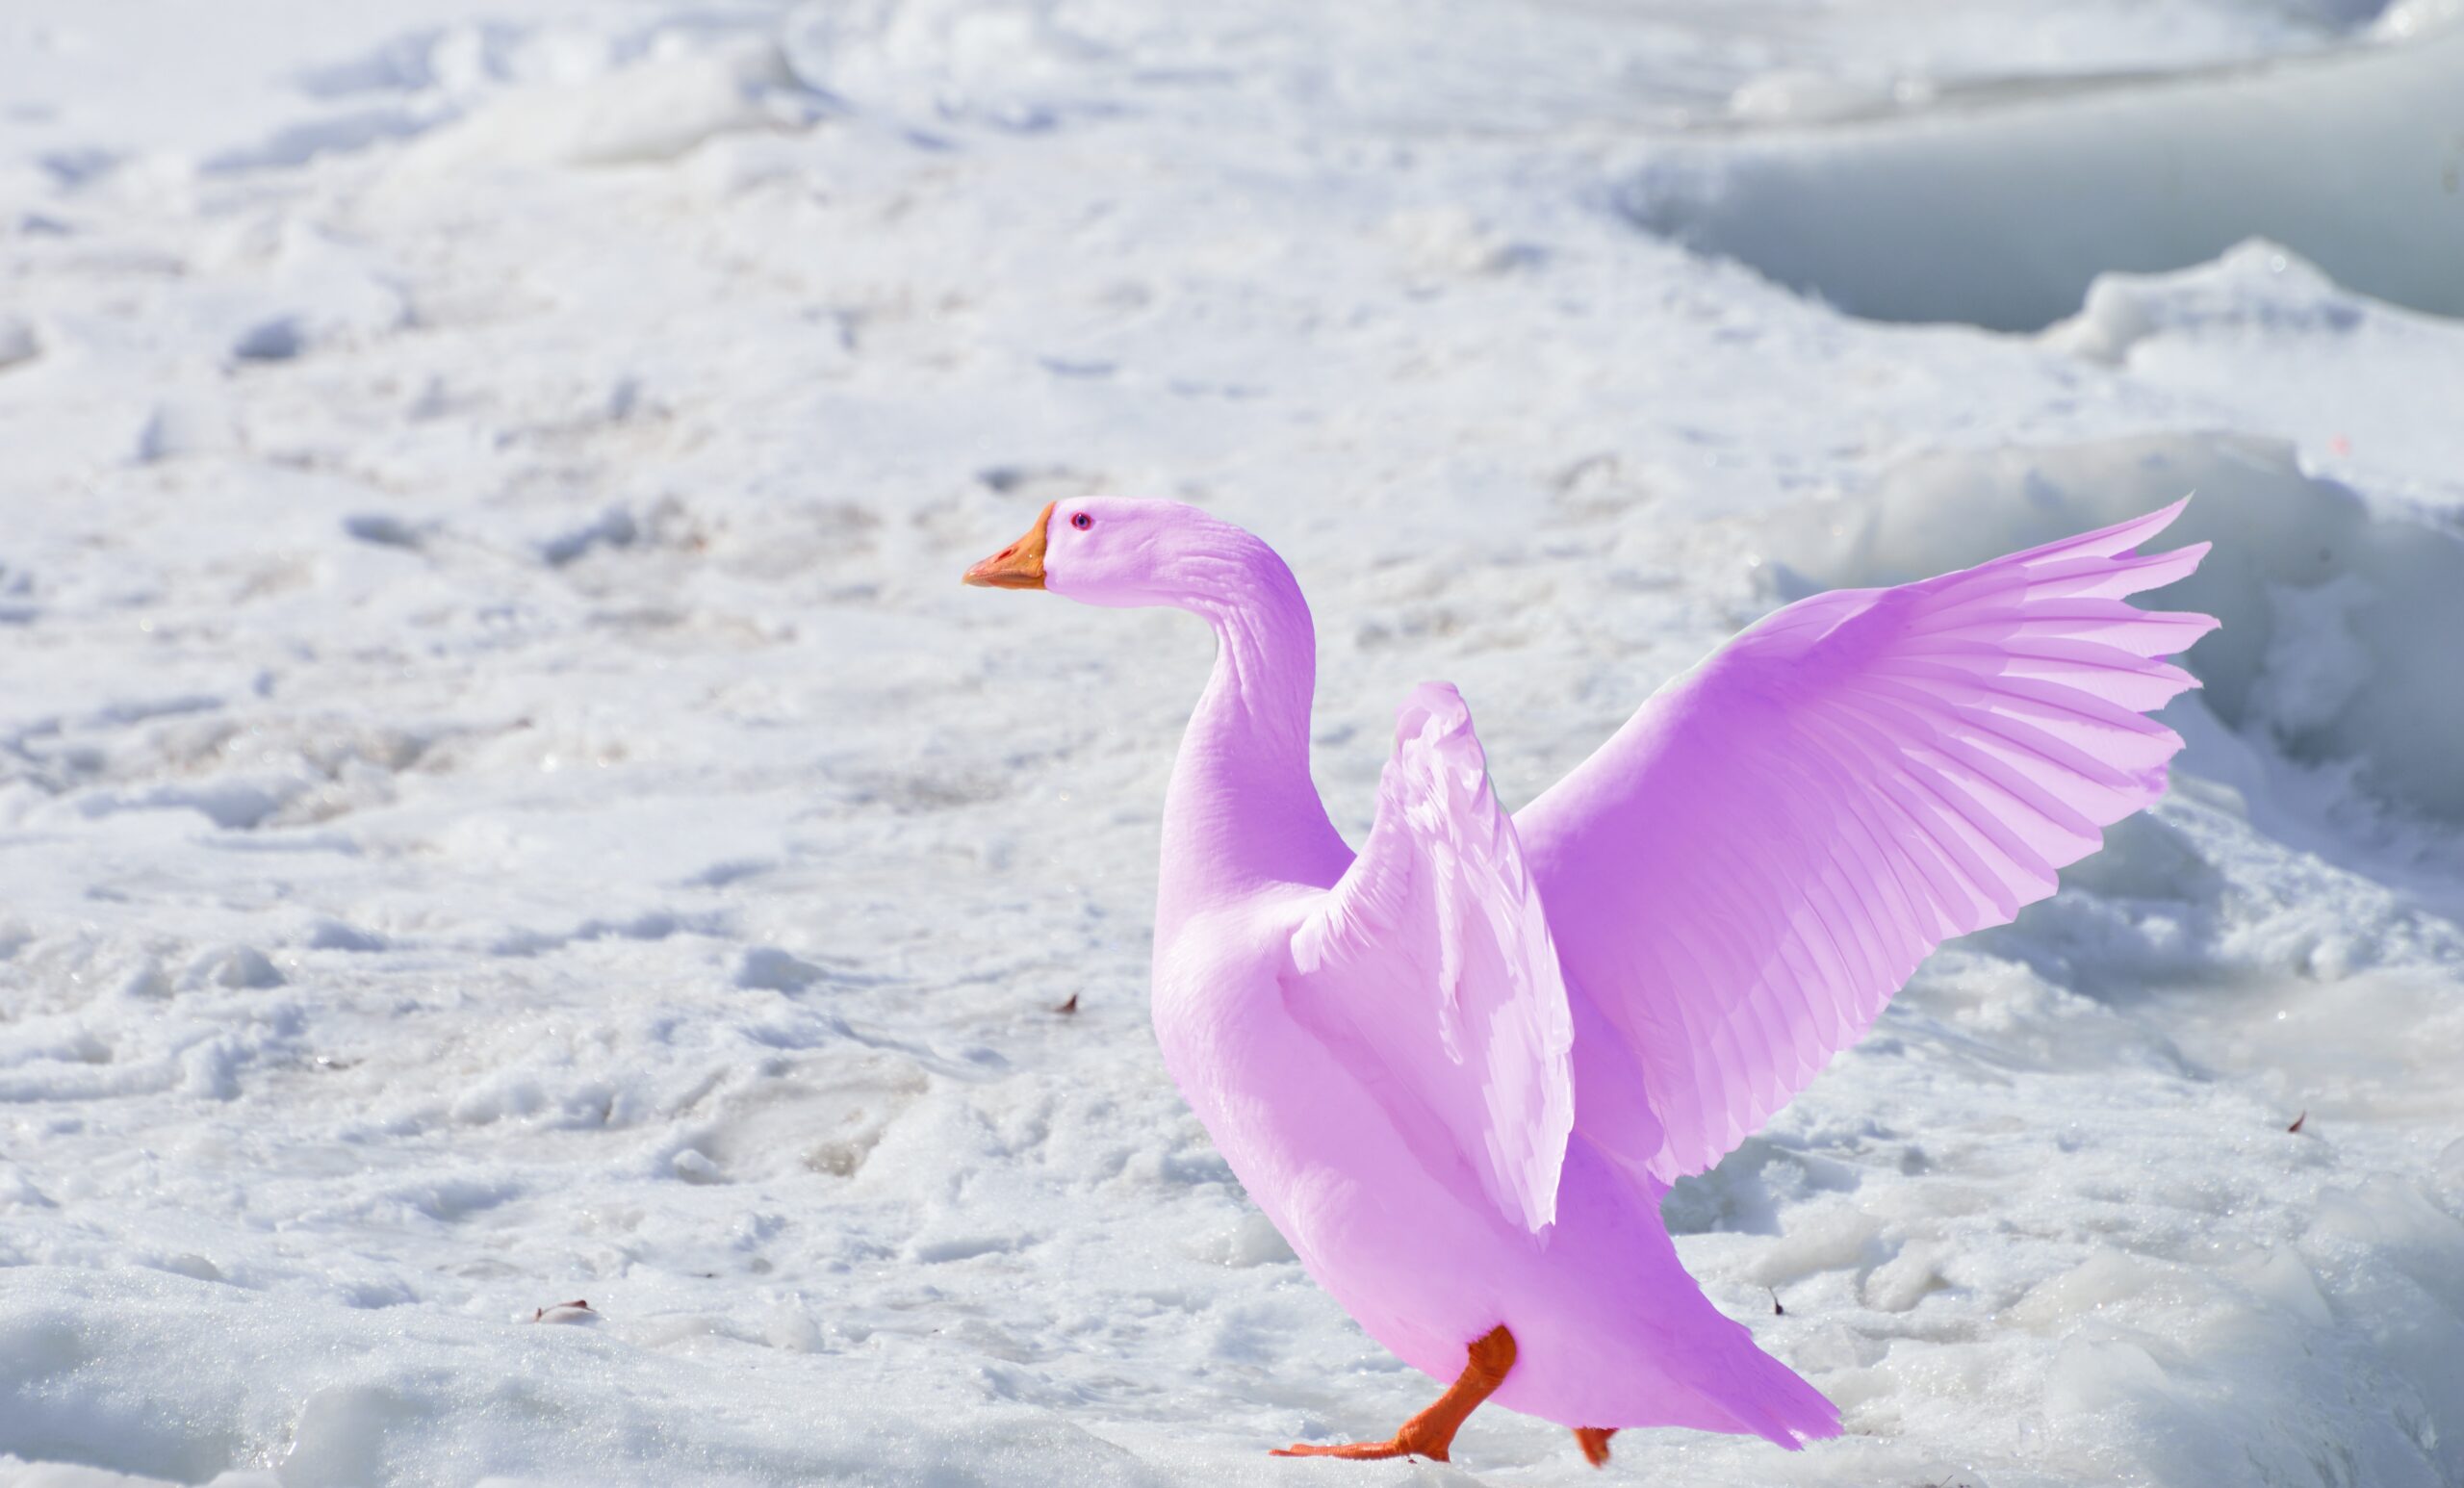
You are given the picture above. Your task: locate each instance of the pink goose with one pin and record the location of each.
(1459, 1069)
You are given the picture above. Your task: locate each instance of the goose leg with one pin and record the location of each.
(1594, 1442)
(1431, 1432)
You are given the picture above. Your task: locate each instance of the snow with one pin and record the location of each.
(505, 804)
(2337, 642)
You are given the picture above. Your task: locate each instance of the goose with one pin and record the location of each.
(1459, 1068)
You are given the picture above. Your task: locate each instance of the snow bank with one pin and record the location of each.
(2257, 289)
(2369, 390)
(2001, 215)
(2341, 618)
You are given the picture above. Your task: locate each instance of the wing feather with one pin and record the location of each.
(1431, 967)
(1743, 876)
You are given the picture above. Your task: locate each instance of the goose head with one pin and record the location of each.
(1117, 551)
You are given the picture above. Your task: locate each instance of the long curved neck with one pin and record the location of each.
(1242, 812)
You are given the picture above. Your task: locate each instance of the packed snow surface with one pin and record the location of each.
(535, 910)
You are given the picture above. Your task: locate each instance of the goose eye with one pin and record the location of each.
(1082, 522)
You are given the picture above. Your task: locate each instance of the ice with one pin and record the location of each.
(506, 806)
(1999, 212)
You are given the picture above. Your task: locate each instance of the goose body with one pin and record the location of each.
(1610, 1329)
(1459, 1069)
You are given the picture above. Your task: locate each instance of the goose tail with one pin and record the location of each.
(1773, 1401)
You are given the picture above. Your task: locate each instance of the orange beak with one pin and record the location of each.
(1018, 566)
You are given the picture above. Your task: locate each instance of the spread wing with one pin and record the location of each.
(1428, 968)
(1747, 871)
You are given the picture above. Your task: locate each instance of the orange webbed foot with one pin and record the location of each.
(1431, 1434)
(1362, 1451)
(1594, 1442)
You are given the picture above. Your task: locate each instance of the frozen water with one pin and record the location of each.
(1998, 211)
(503, 804)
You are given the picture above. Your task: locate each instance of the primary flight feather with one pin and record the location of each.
(1459, 1070)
